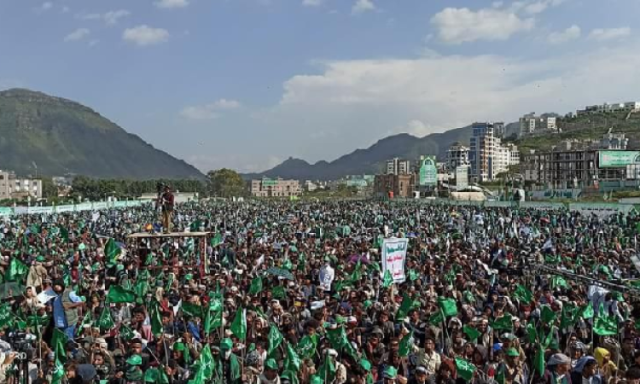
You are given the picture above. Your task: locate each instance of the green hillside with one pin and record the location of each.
(587, 127)
(61, 136)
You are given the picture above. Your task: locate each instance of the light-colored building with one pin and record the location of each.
(12, 187)
(457, 155)
(487, 156)
(397, 166)
(609, 108)
(275, 188)
(530, 124)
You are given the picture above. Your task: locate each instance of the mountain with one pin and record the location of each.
(61, 136)
(370, 160)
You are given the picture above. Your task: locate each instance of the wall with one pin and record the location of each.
(6, 211)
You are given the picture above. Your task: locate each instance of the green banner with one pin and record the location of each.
(618, 159)
(428, 172)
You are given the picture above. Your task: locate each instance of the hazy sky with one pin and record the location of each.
(247, 83)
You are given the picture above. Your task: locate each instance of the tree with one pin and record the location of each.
(226, 183)
(49, 190)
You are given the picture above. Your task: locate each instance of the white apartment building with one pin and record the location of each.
(608, 108)
(487, 156)
(530, 123)
(12, 187)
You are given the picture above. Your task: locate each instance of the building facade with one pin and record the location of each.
(487, 156)
(397, 166)
(398, 185)
(609, 108)
(275, 188)
(530, 124)
(457, 155)
(12, 187)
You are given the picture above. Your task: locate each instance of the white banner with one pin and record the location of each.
(394, 253)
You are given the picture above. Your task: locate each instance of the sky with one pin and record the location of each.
(246, 84)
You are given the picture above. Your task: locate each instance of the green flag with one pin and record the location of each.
(436, 318)
(523, 294)
(547, 315)
(405, 345)
(505, 323)
(558, 281)
(216, 240)
(307, 346)
(569, 315)
(111, 251)
(117, 294)
(156, 318)
(407, 305)
(275, 338)
(105, 321)
(256, 286)
(327, 370)
(449, 307)
(471, 332)
(6, 315)
(213, 317)
(538, 361)
(192, 310)
(587, 311)
(337, 337)
(17, 270)
(606, 326)
(58, 372)
(293, 362)
(58, 344)
(387, 279)
(195, 226)
(141, 288)
(126, 333)
(465, 369)
(532, 333)
(239, 325)
(278, 292)
(413, 275)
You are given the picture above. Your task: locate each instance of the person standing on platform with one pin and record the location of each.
(167, 209)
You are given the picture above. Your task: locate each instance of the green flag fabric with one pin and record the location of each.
(449, 307)
(307, 346)
(547, 315)
(105, 321)
(275, 338)
(465, 369)
(58, 344)
(606, 326)
(587, 311)
(293, 361)
(256, 286)
(406, 345)
(436, 318)
(407, 305)
(471, 332)
(239, 325)
(117, 294)
(387, 279)
(111, 251)
(523, 294)
(505, 323)
(17, 270)
(538, 361)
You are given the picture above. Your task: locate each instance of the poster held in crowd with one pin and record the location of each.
(394, 253)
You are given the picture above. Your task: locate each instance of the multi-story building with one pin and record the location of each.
(457, 155)
(397, 166)
(12, 187)
(398, 185)
(530, 124)
(487, 156)
(560, 169)
(499, 129)
(275, 188)
(609, 108)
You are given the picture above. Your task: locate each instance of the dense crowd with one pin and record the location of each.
(295, 292)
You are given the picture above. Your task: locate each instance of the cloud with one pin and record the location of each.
(603, 34)
(112, 17)
(46, 6)
(168, 4)
(360, 101)
(312, 3)
(362, 6)
(460, 25)
(143, 35)
(65, 9)
(571, 33)
(209, 111)
(77, 35)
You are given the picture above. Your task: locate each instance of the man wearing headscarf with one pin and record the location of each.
(585, 371)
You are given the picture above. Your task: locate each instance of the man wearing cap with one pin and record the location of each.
(65, 309)
(270, 374)
(389, 376)
(420, 376)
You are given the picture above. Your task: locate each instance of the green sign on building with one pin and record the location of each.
(428, 172)
(618, 159)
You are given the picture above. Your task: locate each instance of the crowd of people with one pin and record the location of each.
(296, 292)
